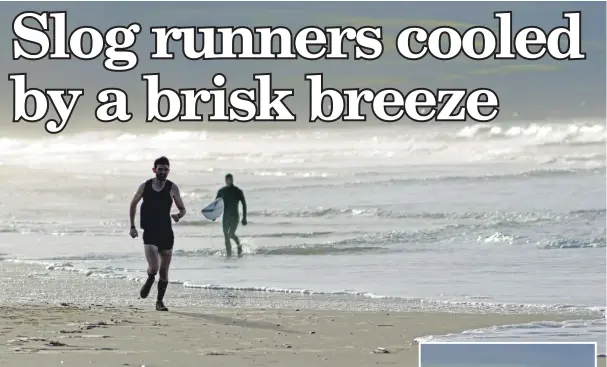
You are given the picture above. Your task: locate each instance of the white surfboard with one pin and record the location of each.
(213, 210)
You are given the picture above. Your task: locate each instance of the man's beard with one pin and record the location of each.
(161, 176)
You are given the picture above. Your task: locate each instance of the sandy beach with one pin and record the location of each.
(69, 335)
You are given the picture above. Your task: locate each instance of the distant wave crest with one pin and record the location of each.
(506, 140)
(382, 213)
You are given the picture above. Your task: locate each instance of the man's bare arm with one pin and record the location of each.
(136, 199)
(178, 201)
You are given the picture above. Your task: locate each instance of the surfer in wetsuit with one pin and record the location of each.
(231, 196)
(158, 195)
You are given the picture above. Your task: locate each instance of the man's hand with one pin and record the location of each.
(178, 202)
(244, 221)
(133, 209)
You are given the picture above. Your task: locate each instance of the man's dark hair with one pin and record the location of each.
(161, 161)
(229, 175)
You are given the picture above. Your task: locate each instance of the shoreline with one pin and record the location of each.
(71, 319)
(125, 292)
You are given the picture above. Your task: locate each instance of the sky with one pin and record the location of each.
(528, 90)
(507, 355)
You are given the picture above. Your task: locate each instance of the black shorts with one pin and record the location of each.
(163, 239)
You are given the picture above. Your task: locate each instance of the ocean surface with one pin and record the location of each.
(507, 216)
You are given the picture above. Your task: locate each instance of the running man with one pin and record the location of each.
(158, 195)
(231, 196)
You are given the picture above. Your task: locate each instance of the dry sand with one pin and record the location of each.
(67, 335)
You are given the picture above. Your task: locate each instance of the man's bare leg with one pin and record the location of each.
(163, 279)
(151, 255)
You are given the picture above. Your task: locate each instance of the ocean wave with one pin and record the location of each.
(520, 217)
(299, 250)
(497, 237)
(307, 234)
(539, 134)
(546, 243)
(398, 241)
(94, 257)
(109, 272)
(302, 145)
(491, 227)
(387, 242)
(310, 234)
(118, 229)
(571, 243)
(590, 130)
(386, 178)
(542, 332)
(329, 248)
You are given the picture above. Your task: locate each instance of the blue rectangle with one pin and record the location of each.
(507, 355)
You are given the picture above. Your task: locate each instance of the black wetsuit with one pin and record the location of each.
(231, 196)
(156, 216)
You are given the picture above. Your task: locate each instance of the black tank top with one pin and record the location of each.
(156, 207)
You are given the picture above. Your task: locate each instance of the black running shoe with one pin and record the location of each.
(160, 306)
(239, 249)
(147, 286)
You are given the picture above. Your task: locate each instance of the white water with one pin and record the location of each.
(487, 217)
